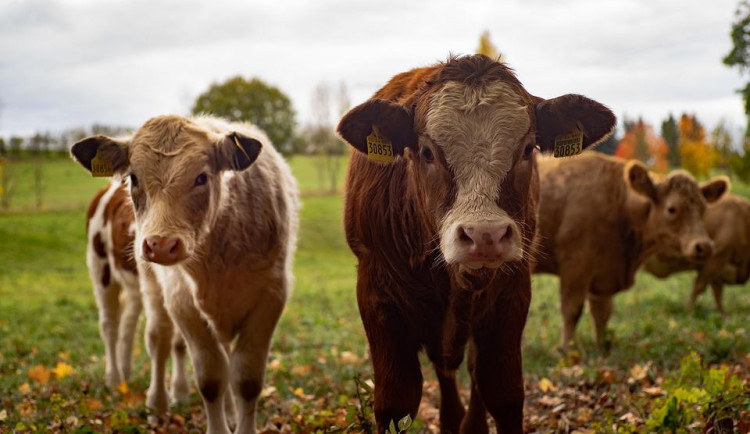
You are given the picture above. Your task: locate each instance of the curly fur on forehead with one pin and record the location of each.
(476, 71)
(682, 183)
(168, 135)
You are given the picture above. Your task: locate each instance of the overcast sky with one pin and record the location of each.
(68, 63)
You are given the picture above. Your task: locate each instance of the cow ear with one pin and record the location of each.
(389, 122)
(565, 114)
(715, 188)
(637, 177)
(101, 155)
(237, 151)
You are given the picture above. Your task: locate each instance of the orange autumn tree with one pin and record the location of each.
(697, 155)
(642, 143)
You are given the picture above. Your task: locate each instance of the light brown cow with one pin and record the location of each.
(216, 223)
(728, 224)
(443, 232)
(600, 217)
(110, 224)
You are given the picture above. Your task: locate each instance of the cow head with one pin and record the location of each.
(174, 167)
(674, 209)
(469, 138)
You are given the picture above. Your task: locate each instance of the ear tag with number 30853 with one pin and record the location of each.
(567, 145)
(379, 148)
(101, 167)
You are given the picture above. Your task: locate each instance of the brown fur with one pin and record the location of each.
(599, 218)
(728, 225)
(409, 298)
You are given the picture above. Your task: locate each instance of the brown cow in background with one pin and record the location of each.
(600, 217)
(443, 231)
(728, 224)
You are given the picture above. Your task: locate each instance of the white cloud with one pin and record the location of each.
(67, 63)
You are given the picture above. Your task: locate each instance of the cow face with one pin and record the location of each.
(469, 139)
(175, 169)
(674, 214)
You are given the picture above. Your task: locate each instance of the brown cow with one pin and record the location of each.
(728, 224)
(443, 233)
(216, 224)
(600, 217)
(110, 225)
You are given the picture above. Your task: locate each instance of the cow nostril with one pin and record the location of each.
(507, 235)
(173, 250)
(463, 236)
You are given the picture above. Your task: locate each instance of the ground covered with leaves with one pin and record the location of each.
(667, 369)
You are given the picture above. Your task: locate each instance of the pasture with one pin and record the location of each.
(667, 367)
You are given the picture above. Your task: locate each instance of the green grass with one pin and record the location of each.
(48, 315)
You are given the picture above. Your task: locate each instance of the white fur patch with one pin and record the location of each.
(478, 130)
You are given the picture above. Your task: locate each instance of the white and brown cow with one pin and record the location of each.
(216, 223)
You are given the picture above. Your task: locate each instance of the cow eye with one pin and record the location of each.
(133, 181)
(202, 179)
(672, 210)
(528, 150)
(427, 154)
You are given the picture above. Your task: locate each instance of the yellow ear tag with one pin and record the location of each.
(379, 148)
(567, 145)
(101, 167)
(237, 142)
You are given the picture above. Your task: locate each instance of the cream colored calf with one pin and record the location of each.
(216, 224)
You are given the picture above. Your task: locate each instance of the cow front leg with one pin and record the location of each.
(128, 326)
(699, 287)
(718, 291)
(108, 300)
(572, 298)
(396, 369)
(248, 360)
(210, 359)
(601, 310)
(179, 387)
(497, 363)
(476, 418)
(159, 330)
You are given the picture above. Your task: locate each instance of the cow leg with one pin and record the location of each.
(396, 369)
(248, 359)
(601, 310)
(572, 298)
(179, 387)
(128, 326)
(498, 374)
(451, 409)
(701, 282)
(476, 418)
(210, 360)
(718, 290)
(159, 331)
(108, 301)
(230, 410)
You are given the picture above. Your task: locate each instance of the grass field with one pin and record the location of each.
(51, 371)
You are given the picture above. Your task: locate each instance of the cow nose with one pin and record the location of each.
(163, 250)
(703, 249)
(485, 241)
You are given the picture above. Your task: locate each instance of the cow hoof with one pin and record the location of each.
(157, 401)
(180, 393)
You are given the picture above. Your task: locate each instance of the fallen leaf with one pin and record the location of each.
(274, 365)
(93, 404)
(62, 370)
(639, 372)
(545, 385)
(123, 387)
(654, 391)
(301, 370)
(550, 401)
(3, 415)
(349, 357)
(299, 392)
(25, 389)
(40, 374)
